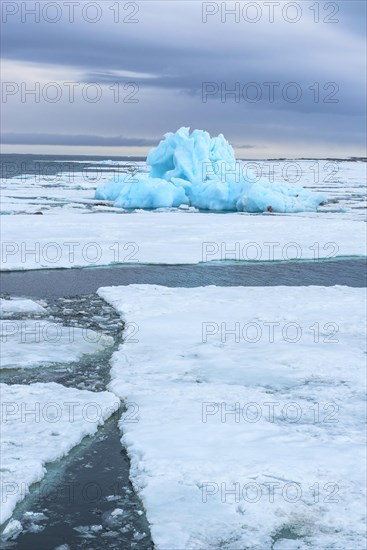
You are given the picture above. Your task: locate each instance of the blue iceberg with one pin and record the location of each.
(200, 171)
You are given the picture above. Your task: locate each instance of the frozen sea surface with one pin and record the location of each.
(175, 455)
(71, 228)
(38, 426)
(29, 343)
(251, 411)
(52, 185)
(57, 483)
(14, 306)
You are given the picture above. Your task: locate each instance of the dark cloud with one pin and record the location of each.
(62, 139)
(240, 146)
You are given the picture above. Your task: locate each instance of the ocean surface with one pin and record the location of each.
(101, 459)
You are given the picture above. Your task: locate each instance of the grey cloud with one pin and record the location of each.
(171, 44)
(63, 139)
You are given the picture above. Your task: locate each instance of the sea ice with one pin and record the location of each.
(239, 392)
(31, 343)
(13, 528)
(19, 305)
(177, 238)
(200, 171)
(41, 423)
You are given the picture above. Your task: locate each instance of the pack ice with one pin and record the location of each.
(197, 170)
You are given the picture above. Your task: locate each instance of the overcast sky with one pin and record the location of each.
(112, 77)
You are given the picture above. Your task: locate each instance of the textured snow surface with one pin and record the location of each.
(197, 170)
(75, 229)
(344, 183)
(206, 474)
(33, 343)
(175, 238)
(19, 305)
(41, 423)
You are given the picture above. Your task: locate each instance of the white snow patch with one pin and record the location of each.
(117, 512)
(178, 237)
(198, 466)
(32, 343)
(13, 528)
(19, 305)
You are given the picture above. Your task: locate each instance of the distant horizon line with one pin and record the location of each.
(142, 157)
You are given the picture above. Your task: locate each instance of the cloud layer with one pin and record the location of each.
(280, 77)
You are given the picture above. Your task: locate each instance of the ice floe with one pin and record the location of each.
(175, 238)
(32, 343)
(249, 411)
(15, 306)
(41, 423)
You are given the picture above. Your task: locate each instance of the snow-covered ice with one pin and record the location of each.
(174, 238)
(12, 529)
(15, 306)
(41, 423)
(32, 343)
(200, 171)
(242, 392)
(344, 183)
(75, 229)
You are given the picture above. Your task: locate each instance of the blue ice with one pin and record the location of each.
(197, 170)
